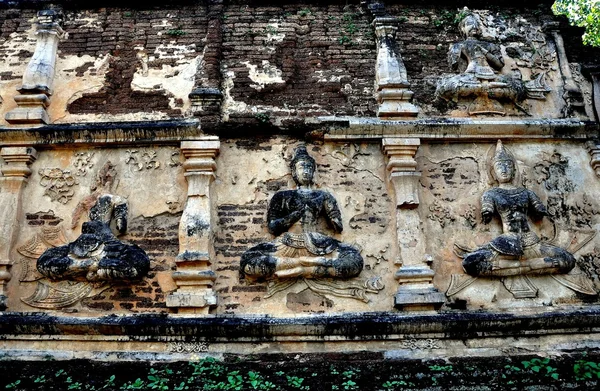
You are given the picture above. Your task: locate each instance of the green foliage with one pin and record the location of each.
(296, 382)
(586, 370)
(138, 384)
(446, 18)
(541, 365)
(158, 379)
(582, 13)
(304, 12)
(263, 118)
(13, 384)
(441, 368)
(391, 385)
(176, 32)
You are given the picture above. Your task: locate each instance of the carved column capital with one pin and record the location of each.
(17, 161)
(402, 168)
(194, 277)
(385, 27)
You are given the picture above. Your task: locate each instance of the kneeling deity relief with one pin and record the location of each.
(299, 251)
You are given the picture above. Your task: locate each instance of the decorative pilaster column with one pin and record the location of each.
(194, 277)
(35, 92)
(393, 93)
(572, 94)
(594, 150)
(14, 177)
(416, 291)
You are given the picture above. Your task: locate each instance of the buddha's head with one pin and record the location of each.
(303, 167)
(470, 24)
(503, 165)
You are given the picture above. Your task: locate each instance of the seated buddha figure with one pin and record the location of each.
(299, 250)
(518, 250)
(481, 62)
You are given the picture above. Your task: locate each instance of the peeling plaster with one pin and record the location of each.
(329, 77)
(268, 75)
(178, 51)
(178, 80)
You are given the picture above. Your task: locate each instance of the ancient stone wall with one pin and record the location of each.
(222, 177)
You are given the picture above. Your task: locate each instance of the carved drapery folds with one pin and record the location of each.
(14, 176)
(415, 276)
(36, 89)
(393, 93)
(194, 277)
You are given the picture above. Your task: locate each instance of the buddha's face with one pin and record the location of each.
(303, 172)
(504, 170)
(471, 27)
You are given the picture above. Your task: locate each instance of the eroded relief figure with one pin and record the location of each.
(481, 63)
(299, 250)
(97, 255)
(518, 251)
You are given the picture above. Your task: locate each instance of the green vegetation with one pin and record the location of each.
(304, 12)
(349, 28)
(580, 372)
(582, 13)
(176, 32)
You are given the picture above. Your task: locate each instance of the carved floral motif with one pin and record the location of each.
(58, 184)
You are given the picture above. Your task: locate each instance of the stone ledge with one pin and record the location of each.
(353, 326)
(457, 129)
(93, 133)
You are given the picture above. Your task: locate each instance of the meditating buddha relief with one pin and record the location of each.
(517, 253)
(299, 249)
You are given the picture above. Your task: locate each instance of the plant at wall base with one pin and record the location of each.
(138, 384)
(586, 370)
(13, 384)
(158, 379)
(582, 13)
(542, 366)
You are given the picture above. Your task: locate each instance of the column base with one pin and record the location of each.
(420, 299)
(192, 299)
(27, 115)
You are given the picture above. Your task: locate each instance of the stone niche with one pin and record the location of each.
(64, 184)
(454, 177)
(248, 175)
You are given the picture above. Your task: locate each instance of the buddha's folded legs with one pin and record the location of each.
(540, 258)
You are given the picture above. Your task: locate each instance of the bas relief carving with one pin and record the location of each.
(518, 252)
(481, 63)
(300, 251)
(97, 255)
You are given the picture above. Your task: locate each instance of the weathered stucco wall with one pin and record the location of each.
(273, 64)
(191, 114)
